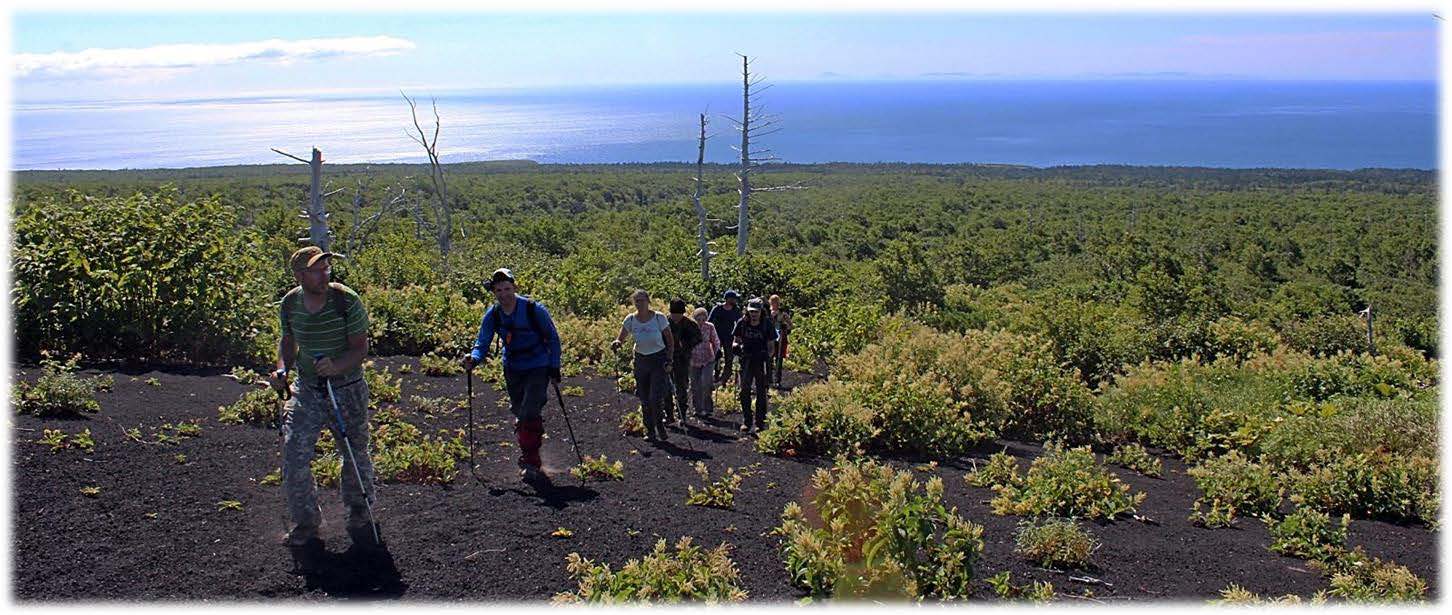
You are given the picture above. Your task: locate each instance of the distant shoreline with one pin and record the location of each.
(496, 166)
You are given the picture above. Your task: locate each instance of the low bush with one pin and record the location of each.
(383, 386)
(1371, 486)
(257, 406)
(433, 407)
(632, 423)
(1135, 457)
(1233, 485)
(599, 468)
(1235, 595)
(876, 532)
(1308, 534)
(689, 574)
(1036, 591)
(1001, 469)
(57, 440)
(58, 392)
(1358, 577)
(432, 364)
(1066, 482)
(819, 419)
(1058, 543)
(715, 494)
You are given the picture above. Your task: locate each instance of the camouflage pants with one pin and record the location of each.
(308, 413)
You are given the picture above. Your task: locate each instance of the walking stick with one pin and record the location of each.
(357, 473)
(473, 469)
(573, 442)
(282, 396)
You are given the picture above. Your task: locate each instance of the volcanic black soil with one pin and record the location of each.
(156, 531)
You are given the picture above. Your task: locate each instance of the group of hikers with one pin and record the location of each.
(678, 362)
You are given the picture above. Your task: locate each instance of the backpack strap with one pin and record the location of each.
(529, 311)
(340, 302)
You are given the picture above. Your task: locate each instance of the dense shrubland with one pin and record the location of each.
(1198, 313)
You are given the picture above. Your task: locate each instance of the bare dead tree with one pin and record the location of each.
(754, 124)
(703, 220)
(318, 233)
(364, 226)
(442, 222)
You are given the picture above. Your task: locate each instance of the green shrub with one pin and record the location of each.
(401, 453)
(1135, 457)
(1230, 336)
(1326, 334)
(59, 392)
(1308, 534)
(1194, 410)
(1001, 469)
(383, 386)
(150, 276)
(824, 418)
(1233, 485)
(434, 365)
(1358, 577)
(878, 532)
(839, 329)
(1309, 435)
(599, 468)
(632, 423)
(715, 494)
(436, 406)
(689, 574)
(1235, 595)
(1371, 486)
(1055, 543)
(54, 438)
(255, 407)
(414, 320)
(244, 376)
(1066, 482)
(1037, 591)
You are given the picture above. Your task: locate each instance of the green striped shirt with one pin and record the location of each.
(323, 332)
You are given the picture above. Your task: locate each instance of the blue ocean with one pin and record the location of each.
(1238, 124)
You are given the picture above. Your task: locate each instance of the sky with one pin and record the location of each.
(159, 56)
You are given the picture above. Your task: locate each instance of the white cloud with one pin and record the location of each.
(170, 59)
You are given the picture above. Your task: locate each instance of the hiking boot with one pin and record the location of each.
(301, 535)
(530, 474)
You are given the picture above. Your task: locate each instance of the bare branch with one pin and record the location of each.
(291, 156)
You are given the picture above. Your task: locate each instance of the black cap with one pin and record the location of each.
(678, 306)
(754, 304)
(731, 294)
(502, 274)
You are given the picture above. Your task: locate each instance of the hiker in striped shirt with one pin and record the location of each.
(325, 320)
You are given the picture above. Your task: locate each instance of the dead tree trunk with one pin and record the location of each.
(701, 217)
(443, 219)
(754, 123)
(316, 215)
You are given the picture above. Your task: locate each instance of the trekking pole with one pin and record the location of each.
(282, 396)
(472, 468)
(573, 443)
(357, 473)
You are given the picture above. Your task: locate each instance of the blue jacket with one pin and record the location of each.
(523, 349)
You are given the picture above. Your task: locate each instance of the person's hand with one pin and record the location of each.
(468, 362)
(325, 368)
(614, 345)
(278, 380)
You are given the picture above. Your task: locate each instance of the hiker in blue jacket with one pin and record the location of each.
(531, 360)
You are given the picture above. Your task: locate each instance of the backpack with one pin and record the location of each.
(529, 311)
